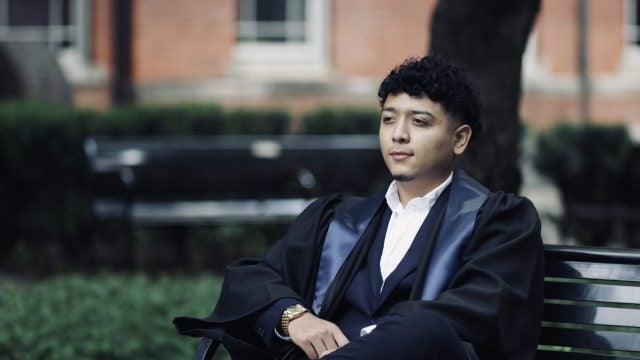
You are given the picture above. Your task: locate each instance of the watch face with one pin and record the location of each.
(296, 309)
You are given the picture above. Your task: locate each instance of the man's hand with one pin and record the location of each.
(316, 337)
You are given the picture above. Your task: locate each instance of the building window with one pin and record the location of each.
(46, 21)
(632, 22)
(271, 21)
(62, 25)
(282, 38)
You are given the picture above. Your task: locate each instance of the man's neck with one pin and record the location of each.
(408, 190)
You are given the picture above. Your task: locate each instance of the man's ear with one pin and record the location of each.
(462, 136)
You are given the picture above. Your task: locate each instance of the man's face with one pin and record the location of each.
(418, 140)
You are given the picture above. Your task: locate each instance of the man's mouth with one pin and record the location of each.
(399, 155)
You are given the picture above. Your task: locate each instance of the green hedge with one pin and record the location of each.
(587, 162)
(45, 181)
(194, 119)
(105, 316)
(325, 120)
(592, 166)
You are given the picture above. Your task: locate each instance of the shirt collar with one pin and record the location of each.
(416, 204)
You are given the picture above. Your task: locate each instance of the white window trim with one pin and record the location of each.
(54, 32)
(305, 60)
(630, 51)
(75, 60)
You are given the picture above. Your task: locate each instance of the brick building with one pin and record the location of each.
(302, 53)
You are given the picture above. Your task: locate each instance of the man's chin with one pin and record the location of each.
(402, 177)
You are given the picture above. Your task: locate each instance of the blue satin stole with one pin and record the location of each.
(466, 196)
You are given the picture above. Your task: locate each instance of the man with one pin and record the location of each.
(436, 267)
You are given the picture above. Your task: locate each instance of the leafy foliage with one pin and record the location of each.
(44, 180)
(326, 120)
(596, 168)
(106, 316)
(46, 184)
(193, 119)
(587, 162)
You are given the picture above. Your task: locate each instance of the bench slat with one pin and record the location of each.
(592, 254)
(203, 212)
(559, 355)
(605, 340)
(592, 315)
(592, 292)
(599, 271)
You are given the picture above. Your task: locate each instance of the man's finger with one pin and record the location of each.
(309, 350)
(319, 346)
(340, 338)
(327, 353)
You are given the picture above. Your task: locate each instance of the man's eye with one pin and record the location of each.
(420, 122)
(387, 119)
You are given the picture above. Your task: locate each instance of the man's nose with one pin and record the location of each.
(400, 133)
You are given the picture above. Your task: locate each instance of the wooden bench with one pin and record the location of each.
(201, 180)
(592, 305)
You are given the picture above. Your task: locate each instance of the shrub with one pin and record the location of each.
(158, 120)
(326, 120)
(193, 119)
(255, 122)
(44, 182)
(46, 185)
(591, 166)
(101, 317)
(585, 161)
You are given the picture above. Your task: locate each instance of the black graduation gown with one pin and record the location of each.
(494, 300)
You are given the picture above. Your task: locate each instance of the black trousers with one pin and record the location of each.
(424, 335)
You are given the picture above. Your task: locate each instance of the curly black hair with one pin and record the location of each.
(442, 82)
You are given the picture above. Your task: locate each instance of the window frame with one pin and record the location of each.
(631, 31)
(308, 58)
(75, 59)
(631, 50)
(52, 33)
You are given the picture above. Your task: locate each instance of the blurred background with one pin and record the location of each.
(144, 144)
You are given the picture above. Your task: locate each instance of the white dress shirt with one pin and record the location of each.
(404, 224)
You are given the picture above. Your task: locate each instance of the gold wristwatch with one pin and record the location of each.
(292, 312)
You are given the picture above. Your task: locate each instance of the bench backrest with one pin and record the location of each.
(592, 304)
(236, 167)
(204, 180)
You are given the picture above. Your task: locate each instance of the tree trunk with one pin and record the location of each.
(488, 38)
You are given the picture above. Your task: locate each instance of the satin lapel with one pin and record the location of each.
(343, 234)
(465, 199)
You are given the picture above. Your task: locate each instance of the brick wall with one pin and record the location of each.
(101, 34)
(181, 40)
(542, 110)
(606, 38)
(557, 35)
(191, 41)
(371, 36)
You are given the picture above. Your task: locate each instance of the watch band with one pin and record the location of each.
(291, 313)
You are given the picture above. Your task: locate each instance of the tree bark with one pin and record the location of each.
(488, 38)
